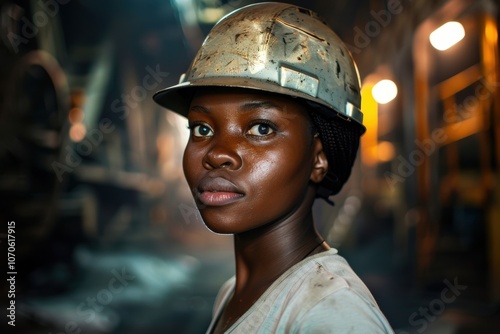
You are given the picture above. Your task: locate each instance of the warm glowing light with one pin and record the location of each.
(75, 115)
(386, 151)
(491, 32)
(77, 132)
(370, 120)
(447, 35)
(384, 91)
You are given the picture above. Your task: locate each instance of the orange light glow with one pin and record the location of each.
(369, 107)
(77, 132)
(386, 151)
(491, 32)
(75, 115)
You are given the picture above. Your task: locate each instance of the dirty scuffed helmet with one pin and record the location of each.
(283, 49)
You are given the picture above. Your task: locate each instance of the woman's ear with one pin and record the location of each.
(320, 165)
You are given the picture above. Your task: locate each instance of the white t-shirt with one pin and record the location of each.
(320, 294)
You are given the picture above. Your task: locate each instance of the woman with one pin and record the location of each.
(272, 100)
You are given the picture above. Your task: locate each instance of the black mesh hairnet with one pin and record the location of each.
(340, 139)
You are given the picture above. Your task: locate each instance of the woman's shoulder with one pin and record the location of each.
(320, 292)
(331, 270)
(322, 276)
(328, 294)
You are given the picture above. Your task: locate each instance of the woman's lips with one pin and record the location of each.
(217, 191)
(218, 198)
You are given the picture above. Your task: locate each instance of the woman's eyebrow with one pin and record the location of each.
(248, 106)
(260, 105)
(199, 109)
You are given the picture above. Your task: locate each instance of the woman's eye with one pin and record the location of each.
(202, 130)
(260, 129)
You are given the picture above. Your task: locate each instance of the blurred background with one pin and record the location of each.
(108, 239)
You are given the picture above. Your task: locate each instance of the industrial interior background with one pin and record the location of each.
(107, 237)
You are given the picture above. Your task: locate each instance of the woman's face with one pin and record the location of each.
(250, 158)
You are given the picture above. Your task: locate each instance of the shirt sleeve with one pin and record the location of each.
(342, 312)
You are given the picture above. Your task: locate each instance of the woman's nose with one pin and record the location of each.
(222, 154)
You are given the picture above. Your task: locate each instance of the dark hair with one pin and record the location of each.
(340, 139)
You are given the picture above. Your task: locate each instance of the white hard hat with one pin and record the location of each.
(284, 49)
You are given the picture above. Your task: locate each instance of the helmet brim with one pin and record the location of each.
(178, 97)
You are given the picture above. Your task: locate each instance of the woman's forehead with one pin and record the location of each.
(246, 99)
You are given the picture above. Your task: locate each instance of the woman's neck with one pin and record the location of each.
(265, 253)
